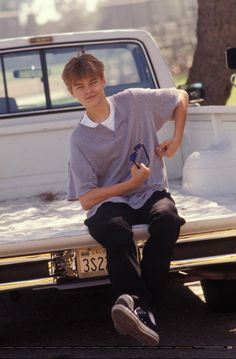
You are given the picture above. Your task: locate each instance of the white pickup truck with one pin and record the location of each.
(43, 241)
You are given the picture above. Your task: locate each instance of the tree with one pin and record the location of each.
(216, 31)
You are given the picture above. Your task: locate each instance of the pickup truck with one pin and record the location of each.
(43, 240)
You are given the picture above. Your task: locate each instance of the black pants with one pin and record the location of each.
(111, 226)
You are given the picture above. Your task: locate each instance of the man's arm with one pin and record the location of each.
(169, 147)
(97, 195)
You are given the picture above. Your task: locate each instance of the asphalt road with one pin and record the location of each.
(76, 324)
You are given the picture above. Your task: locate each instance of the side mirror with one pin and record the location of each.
(195, 91)
(230, 57)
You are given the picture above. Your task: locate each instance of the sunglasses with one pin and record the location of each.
(138, 152)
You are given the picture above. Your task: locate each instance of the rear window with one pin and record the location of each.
(30, 80)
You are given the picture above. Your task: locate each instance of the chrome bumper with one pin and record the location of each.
(59, 269)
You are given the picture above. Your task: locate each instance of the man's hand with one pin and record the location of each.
(139, 175)
(168, 148)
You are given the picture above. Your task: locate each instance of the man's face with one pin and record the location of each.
(88, 90)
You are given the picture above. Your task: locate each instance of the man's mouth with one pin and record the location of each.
(90, 97)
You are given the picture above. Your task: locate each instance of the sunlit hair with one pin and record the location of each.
(81, 66)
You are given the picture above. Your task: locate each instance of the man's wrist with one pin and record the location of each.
(130, 184)
(177, 138)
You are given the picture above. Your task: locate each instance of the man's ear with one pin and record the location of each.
(104, 80)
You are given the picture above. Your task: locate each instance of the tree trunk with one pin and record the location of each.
(216, 31)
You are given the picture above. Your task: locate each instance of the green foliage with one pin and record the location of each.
(232, 98)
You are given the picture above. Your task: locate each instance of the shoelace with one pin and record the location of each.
(145, 317)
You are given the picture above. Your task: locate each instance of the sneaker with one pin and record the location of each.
(126, 300)
(137, 322)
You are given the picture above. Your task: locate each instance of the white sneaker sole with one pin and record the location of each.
(126, 300)
(126, 323)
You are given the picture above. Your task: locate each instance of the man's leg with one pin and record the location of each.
(164, 226)
(111, 226)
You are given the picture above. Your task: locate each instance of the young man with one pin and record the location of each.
(119, 193)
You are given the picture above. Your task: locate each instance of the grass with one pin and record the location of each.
(232, 98)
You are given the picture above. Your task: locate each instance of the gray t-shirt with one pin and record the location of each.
(99, 157)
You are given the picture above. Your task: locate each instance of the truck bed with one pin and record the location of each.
(37, 225)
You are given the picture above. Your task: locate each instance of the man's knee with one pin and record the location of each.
(115, 233)
(165, 222)
(120, 230)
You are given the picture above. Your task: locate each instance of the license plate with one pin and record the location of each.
(92, 262)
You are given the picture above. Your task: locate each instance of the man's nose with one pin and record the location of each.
(87, 89)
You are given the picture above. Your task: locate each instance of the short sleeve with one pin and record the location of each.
(81, 177)
(159, 103)
(164, 103)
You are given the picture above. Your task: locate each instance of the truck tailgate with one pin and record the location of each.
(33, 225)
